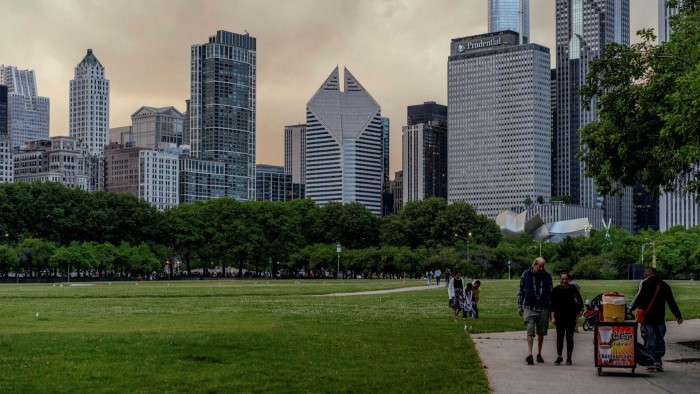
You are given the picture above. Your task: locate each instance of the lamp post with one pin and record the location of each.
(469, 235)
(338, 250)
(509, 277)
(587, 229)
(539, 242)
(644, 246)
(653, 253)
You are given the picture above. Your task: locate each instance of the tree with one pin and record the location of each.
(647, 96)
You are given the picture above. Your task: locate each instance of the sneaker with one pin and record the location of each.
(558, 361)
(529, 360)
(651, 368)
(568, 362)
(539, 358)
(658, 367)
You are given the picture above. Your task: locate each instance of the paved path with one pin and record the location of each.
(399, 290)
(503, 356)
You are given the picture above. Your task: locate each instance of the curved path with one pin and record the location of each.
(503, 355)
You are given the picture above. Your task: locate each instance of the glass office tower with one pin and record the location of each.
(510, 15)
(223, 105)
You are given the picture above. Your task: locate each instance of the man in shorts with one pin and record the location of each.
(534, 299)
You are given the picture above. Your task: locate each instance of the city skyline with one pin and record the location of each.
(148, 63)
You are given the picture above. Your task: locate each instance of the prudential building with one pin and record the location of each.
(499, 122)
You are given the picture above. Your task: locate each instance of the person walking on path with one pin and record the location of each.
(476, 291)
(429, 276)
(534, 298)
(566, 306)
(447, 275)
(652, 297)
(456, 294)
(437, 274)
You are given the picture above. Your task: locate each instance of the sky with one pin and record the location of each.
(397, 50)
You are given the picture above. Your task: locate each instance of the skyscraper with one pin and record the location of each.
(3, 110)
(344, 144)
(27, 112)
(499, 111)
(6, 162)
(89, 105)
(584, 28)
(295, 152)
(222, 108)
(510, 15)
(424, 157)
(665, 13)
(676, 208)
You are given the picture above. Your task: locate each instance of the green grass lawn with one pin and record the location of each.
(253, 336)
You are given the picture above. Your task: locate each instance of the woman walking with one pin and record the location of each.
(456, 294)
(566, 306)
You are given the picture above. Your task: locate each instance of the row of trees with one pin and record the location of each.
(128, 237)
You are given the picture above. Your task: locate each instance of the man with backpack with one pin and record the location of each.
(652, 297)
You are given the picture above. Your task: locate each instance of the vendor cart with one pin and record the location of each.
(614, 345)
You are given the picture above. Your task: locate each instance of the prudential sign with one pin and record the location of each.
(465, 46)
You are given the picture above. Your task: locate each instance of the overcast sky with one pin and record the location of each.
(397, 49)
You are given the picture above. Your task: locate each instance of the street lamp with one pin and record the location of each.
(469, 235)
(509, 277)
(539, 242)
(338, 250)
(653, 253)
(671, 56)
(587, 229)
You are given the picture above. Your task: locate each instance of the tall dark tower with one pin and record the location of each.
(222, 108)
(584, 28)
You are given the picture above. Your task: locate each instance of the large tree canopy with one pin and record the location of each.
(648, 101)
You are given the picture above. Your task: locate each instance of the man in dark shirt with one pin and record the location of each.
(653, 329)
(534, 299)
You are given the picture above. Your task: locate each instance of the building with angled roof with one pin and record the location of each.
(223, 107)
(89, 105)
(344, 144)
(89, 115)
(156, 128)
(27, 112)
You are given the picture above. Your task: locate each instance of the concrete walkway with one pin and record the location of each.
(398, 290)
(503, 356)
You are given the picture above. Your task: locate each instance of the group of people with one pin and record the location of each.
(437, 274)
(463, 296)
(539, 302)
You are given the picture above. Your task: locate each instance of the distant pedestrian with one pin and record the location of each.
(456, 294)
(447, 275)
(476, 293)
(429, 276)
(566, 306)
(437, 274)
(534, 298)
(652, 297)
